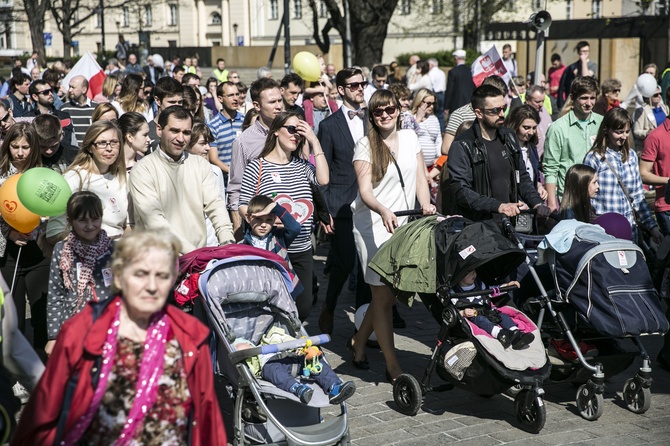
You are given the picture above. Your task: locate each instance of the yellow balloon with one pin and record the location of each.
(307, 66)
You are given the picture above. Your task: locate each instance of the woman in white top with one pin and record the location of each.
(391, 177)
(132, 98)
(430, 136)
(99, 167)
(421, 79)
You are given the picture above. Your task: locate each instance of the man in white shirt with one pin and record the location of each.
(439, 80)
(379, 76)
(509, 61)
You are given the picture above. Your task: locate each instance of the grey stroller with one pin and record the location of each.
(243, 297)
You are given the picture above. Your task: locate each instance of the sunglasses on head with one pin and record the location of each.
(291, 129)
(388, 110)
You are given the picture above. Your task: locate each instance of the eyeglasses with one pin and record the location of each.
(114, 143)
(45, 92)
(5, 118)
(618, 90)
(495, 111)
(429, 104)
(356, 85)
(378, 113)
(291, 129)
(657, 95)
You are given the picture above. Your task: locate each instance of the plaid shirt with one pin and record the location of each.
(610, 197)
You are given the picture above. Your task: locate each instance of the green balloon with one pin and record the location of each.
(43, 191)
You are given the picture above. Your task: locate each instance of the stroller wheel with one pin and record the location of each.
(407, 394)
(589, 403)
(637, 398)
(532, 413)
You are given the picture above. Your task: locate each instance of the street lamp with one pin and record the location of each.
(235, 33)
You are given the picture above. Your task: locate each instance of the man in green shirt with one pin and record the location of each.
(570, 137)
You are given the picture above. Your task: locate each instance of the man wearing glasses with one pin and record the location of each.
(226, 126)
(43, 98)
(486, 171)
(338, 134)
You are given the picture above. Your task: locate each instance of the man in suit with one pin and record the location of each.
(338, 135)
(153, 72)
(459, 84)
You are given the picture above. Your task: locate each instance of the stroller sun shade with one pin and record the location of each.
(463, 246)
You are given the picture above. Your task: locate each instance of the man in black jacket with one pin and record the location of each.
(486, 170)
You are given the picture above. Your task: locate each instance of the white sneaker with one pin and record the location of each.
(21, 393)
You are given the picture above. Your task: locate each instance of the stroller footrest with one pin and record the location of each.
(327, 432)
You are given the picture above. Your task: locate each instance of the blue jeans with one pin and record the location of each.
(485, 324)
(278, 372)
(439, 109)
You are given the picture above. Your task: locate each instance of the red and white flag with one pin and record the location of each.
(488, 64)
(88, 67)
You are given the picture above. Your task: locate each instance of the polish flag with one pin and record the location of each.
(89, 68)
(489, 64)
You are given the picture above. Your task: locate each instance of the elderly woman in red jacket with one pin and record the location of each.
(131, 370)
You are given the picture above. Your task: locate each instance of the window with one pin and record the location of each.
(215, 19)
(405, 7)
(274, 10)
(537, 5)
(297, 9)
(173, 12)
(125, 16)
(98, 20)
(438, 6)
(323, 9)
(172, 43)
(568, 9)
(596, 9)
(148, 16)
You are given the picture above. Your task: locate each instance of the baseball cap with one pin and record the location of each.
(459, 53)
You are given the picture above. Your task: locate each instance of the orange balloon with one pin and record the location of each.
(13, 211)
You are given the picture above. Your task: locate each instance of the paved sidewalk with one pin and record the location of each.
(459, 417)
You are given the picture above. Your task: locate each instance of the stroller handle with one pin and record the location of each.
(241, 355)
(488, 292)
(408, 212)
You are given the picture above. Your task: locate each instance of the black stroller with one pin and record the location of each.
(465, 356)
(603, 291)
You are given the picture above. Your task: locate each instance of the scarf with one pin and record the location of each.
(88, 254)
(151, 368)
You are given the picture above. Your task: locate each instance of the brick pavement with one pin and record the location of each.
(462, 418)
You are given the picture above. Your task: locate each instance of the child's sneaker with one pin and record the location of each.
(342, 391)
(303, 392)
(505, 338)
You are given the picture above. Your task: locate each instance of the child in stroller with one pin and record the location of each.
(481, 312)
(281, 369)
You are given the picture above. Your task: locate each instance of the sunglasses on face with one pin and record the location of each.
(378, 113)
(495, 111)
(429, 104)
(657, 95)
(45, 92)
(291, 129)
(616, 91)
(356, 85)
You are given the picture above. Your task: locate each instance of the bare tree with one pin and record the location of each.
(35, 11)
(368, 22)
(69, 16)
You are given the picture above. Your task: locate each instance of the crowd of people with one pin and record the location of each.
(161, 165)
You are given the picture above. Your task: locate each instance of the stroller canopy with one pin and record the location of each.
(463, 246)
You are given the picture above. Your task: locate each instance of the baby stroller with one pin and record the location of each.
(464, 356)
(603, 291)
(243, 296)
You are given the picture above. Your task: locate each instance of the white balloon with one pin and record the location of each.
(358, 319)
(646, 84)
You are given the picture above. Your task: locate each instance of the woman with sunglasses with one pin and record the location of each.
(281, 173)
(647, 118)
(391, 177)
(430, 136)
(609, 96)
(99, 167)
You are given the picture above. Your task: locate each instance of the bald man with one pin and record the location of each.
(79, 106)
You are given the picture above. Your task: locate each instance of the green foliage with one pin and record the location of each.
(444, 58)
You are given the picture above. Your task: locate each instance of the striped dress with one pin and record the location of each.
(288, 185)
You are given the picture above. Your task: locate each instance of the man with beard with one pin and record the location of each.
(225, 126)
(570, 137)
(486, 171)
(43, 97)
